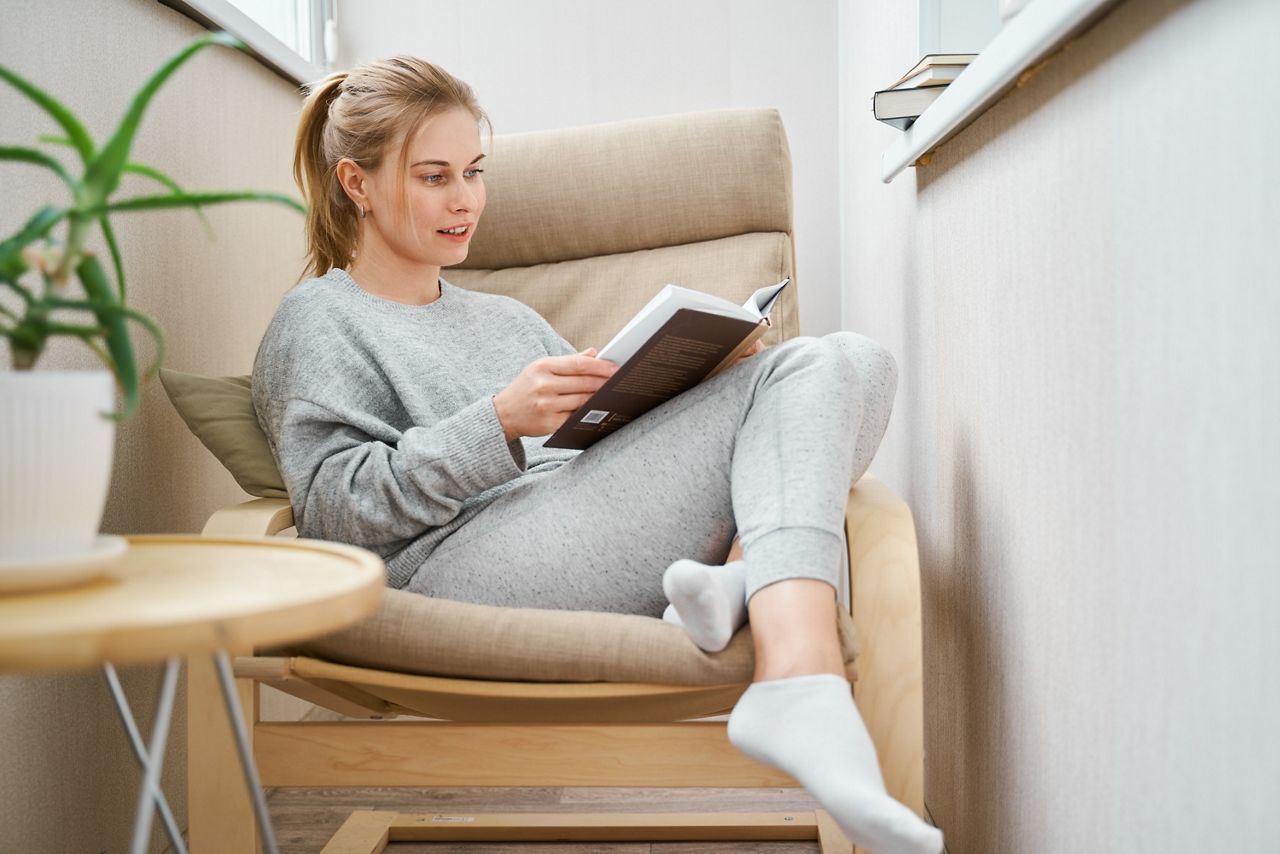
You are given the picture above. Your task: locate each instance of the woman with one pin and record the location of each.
(407, 416)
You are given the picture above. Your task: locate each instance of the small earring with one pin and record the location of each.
(361, 211)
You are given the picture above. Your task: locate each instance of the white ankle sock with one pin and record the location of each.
(809, 727)
(709, 601)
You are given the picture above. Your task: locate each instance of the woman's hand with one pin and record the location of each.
(542, 397)
(757, 347)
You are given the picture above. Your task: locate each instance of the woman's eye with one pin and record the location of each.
(432, 179)
(471, 173)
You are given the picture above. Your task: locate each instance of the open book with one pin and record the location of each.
(679, 339)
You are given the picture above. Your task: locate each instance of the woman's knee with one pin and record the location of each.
(872, 363)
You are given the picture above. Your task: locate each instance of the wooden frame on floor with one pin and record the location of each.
(370, 831)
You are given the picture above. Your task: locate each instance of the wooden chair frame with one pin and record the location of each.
(884, 586)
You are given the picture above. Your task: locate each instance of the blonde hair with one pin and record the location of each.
(357, 114)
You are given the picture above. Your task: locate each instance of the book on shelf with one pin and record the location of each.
(680, 338)
(935, 75)
(942, 67)
(903, 102)
(901, 107)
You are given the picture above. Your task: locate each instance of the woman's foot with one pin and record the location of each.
(809, 727)
(708, 601)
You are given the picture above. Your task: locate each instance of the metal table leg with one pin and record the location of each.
(152, 757)
(226, 682)
(140, 751)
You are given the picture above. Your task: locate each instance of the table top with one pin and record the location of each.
(182, 594)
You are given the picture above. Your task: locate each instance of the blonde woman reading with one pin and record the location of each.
(407, 416)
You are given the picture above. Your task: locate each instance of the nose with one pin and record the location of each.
(465, 197)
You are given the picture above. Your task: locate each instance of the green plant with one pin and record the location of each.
(33, 249)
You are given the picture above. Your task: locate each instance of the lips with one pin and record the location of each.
(461, 237)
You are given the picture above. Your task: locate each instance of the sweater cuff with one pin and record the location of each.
(477, 449)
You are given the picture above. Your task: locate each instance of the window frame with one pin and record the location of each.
(262, 45)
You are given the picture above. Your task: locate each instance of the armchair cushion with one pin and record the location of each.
(219, 410)
(620, 187)
(589, 299)
(436, 637)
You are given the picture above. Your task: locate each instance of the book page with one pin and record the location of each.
(761, 302)
(658, 311)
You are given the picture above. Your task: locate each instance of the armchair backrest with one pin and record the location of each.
(586, 224)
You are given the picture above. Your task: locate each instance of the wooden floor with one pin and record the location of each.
(304, 819)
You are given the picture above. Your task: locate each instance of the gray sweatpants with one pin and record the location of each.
(768, 449)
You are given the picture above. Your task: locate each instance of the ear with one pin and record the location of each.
(351, 177)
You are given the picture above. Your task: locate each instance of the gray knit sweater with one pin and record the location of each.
(380, 414)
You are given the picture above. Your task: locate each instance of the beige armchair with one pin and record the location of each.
(584, 225)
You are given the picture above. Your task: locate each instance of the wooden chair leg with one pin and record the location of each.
(369, 832)
(220, 817)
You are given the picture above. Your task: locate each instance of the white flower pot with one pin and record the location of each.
(55, 462)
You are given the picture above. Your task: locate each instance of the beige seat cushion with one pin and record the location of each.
(417, 634)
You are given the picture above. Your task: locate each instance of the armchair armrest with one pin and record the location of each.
(257, 518)
(884, 580)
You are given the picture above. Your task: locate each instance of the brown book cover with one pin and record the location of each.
(690, 347)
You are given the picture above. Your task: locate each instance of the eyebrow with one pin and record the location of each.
(479, 157)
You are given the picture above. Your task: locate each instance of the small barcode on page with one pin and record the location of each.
(595, 416)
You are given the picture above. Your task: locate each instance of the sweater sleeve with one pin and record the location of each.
(555, 343)
(349, 487)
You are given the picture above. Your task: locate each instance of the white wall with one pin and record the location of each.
(1082, 291)
(562, 63)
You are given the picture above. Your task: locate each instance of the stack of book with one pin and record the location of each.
(903, 102)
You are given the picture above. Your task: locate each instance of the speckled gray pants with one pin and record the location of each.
(768, 449)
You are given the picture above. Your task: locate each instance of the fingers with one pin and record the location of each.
(584, 363)
(567, 403)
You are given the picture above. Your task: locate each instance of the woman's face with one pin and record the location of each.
(442, 187)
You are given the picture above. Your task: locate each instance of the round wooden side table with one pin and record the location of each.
(170, 596)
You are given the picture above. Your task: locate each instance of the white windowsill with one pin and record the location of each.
(1029, 37)
(266, 48)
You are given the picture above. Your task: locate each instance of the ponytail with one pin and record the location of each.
(331, 223)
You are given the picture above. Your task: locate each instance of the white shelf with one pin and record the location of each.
(1029, 37)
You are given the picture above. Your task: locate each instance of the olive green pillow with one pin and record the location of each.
(219, 410)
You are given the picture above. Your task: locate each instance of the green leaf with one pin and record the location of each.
(152, 327)
(103, 175)
(119, 346)
(75, 329)
(113, 310)
(109, 235)
(64, 117)
(11, 264)
(39, 158)
(189, 200)
(22, 292)
(136, 168)
(153, 174)
(159, 176)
